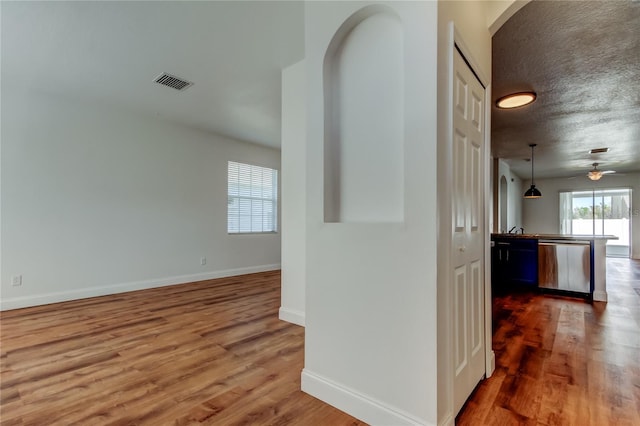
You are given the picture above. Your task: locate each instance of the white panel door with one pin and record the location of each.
(467, 231)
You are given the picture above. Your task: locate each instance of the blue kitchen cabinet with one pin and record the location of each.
(514, 264)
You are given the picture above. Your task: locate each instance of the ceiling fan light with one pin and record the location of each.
(516, 100)
(594, 174)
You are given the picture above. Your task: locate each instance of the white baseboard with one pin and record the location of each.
(291, 315)
(447, 421)
(355, 404)
(83, 293)
(600, 296)
(492, 364)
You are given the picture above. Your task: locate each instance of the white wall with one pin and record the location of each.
(375, 316)
(370, 346)
(351, 266)
(294, 212)
(97, 201)
(499, 11)
(542, 215)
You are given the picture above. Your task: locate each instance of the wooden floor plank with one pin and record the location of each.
(211, 352)
(563, 361)
(214, 352)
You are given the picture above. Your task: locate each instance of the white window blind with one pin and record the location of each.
(252, 205)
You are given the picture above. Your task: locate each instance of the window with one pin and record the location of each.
(252, 205)
(598, 212)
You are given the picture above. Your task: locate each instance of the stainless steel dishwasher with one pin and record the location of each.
(565, 265)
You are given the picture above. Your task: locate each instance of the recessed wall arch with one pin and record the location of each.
(504, 204)
(506, 14)
(363, 85)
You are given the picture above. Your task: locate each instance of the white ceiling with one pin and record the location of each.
(110, 52)
(580, 57)
(583, 60)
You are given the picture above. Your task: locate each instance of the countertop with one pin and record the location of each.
(567, 237)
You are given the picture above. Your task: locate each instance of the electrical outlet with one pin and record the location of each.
(203, 261)
(16, 280)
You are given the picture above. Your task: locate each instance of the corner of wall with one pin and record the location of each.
(293, 159)
(291, 315)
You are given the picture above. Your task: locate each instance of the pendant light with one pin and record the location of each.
(532, 192)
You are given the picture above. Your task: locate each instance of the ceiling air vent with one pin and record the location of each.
(172, 81)
(598, 150)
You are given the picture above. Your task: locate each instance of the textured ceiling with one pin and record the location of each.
(583, 60)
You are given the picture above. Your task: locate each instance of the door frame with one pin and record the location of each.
(458, 41)
(445, 174)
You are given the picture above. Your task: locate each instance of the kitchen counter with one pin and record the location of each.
(597, 272)
(567, 237)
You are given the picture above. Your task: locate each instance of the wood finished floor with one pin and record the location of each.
(212, 352)
(562, 361)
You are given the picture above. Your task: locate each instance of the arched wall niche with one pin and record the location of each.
(501, 12)
(364, 119)
(504, 204)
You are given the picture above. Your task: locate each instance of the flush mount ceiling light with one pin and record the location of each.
(532, 192)
(516, 100)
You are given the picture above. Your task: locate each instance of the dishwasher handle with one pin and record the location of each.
(564, 242)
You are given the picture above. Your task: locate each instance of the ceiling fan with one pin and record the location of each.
(596, 174)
